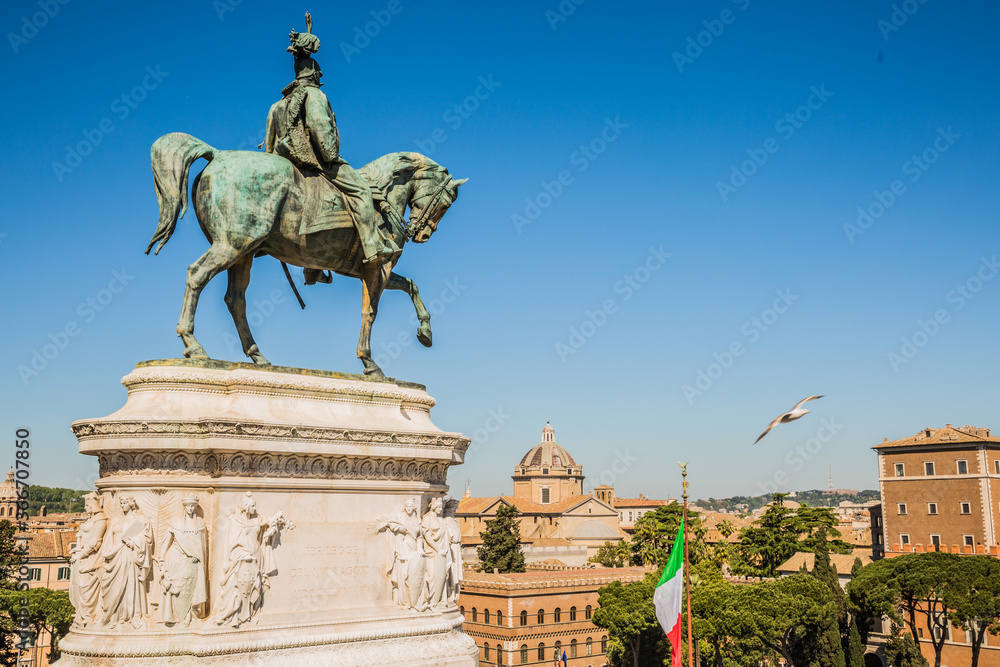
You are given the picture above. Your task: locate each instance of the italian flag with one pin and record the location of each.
(669, 595)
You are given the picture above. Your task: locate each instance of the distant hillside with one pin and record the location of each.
(54, 499)
(814, 498)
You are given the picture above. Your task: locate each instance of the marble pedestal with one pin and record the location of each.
(329, 461)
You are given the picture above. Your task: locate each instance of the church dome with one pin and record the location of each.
(8, 488)
(547, 453)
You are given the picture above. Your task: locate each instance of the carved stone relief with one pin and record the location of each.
(87, 565)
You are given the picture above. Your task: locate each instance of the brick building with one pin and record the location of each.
(531, 618)
(941, 492)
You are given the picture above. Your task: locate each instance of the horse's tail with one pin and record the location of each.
(172, 156)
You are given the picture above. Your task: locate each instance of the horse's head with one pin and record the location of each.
(435, 190)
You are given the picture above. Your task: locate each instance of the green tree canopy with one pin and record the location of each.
(781, 532)
(48, 611)
(501, 547)
(626, 611)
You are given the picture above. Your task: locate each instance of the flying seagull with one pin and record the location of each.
(789, 416)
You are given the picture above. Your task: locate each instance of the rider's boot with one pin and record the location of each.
(376, 248)
(313, 276)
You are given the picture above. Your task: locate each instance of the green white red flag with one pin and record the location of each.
(669, 596)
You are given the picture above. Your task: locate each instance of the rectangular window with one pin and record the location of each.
(969, 540)
(963, 467)
(899, 470)
(35, 574)
(928, 468)
(545, 496)
(966, 508)
(936, 541)
(63, 574)
(901, 508)
(996, 466)
(904, 539)
(932, 508)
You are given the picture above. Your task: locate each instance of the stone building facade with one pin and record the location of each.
(560, 525)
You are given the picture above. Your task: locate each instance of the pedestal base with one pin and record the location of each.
(267, 516)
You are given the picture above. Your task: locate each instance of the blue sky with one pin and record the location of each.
(650, 184)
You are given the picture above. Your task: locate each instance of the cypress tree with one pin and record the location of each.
(501, 548)
(854, 653)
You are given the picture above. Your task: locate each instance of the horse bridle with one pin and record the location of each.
(415, 228)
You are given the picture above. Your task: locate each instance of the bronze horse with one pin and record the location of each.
(251, 204)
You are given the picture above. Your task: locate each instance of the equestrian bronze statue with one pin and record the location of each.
(301, 203)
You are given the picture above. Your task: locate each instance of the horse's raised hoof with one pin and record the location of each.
(257, 357)
(424, 335)
(195, 351)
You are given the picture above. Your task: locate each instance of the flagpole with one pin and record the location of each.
(687, 572)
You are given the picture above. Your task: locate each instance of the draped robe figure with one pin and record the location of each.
(249, 563)
(127, 553)
(437, 547)
(85, 564)
(454, 530)
(183, 578)
(404, 562)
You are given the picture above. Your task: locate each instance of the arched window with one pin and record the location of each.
(499, 617)
(589, 611)
(474, 615)
(556, 615)
(604, 644)
(524, 618)
(572, 649)
(486, 616)
(461, 610)
(524, 654)
(499, 654)
(541, 652)
(558, 651)
(486, 651)
(590, 646)
(572, 613)
(541, 616)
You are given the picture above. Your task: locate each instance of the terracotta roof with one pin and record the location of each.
(843, 562)
(551, 542)
(48, 545)
(562, 574)
(947, 435)
(640, 502)
(523, 505)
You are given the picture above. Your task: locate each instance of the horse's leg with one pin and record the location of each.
(424, 330)
(373, 281)
(236, 300)
(218, 257)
